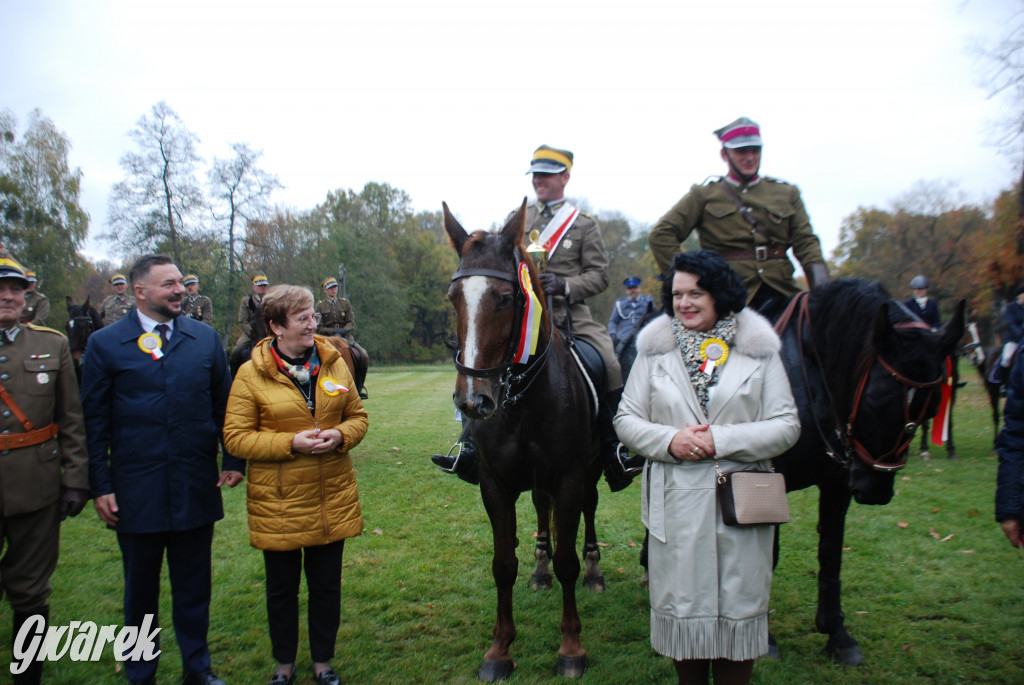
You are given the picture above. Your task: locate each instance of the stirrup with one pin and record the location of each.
(622, 455)
(457, 448)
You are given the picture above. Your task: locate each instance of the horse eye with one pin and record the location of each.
(506, 300)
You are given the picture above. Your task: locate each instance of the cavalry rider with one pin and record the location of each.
(337, 318)
(749, 219)
(1013, 317)
(924, 307)
(115, 306)
(196, 306)
(628, 312)
(247, 311)
(37, 305)
(576, 269)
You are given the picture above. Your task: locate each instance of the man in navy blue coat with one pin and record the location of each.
(154, 389)
(1010, 445)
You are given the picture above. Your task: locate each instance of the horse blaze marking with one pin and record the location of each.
(473, 290)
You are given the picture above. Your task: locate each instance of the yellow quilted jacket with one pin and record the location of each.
(295, 500)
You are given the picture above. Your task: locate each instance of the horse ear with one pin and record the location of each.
(456, 233)
(512, 233)
(881, 330)
(953, 330)
(67, 301)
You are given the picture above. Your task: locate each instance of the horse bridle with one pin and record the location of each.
(73, 321)
(507, 379)
(845, 430)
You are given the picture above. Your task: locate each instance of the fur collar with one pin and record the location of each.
(754, 336)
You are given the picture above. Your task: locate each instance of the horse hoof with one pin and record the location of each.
(596, 583)
(952, 455)
(493, 670)
(540, 582)
(572, 666)
(846, 656)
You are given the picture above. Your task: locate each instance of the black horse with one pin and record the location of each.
(83, 320)
(534, 423)
(865, 373)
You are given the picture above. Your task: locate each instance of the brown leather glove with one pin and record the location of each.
(816, 275)
(72, 501)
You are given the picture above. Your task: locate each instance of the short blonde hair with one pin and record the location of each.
(282, 300)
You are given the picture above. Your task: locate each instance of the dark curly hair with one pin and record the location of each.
(713, 275)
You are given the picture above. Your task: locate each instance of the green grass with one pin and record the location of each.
(418, 598)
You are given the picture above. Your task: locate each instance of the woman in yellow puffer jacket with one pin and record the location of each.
(295, 415)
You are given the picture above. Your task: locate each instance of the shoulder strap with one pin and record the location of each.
(15, 409)
(745, 211)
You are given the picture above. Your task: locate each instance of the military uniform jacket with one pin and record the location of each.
(712, 211)
(37, 371)
(114, 308)
(335, 315)
(199, 308)
(579, 257)
(36, 309)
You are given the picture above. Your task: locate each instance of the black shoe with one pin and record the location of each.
(151, 680)
(205, 678)
(328, 677)
(363, 395)
(282, 679)
(463, 463)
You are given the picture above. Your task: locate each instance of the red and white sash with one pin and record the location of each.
(559, 225)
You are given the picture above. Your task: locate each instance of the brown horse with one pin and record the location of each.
(534, 423)
(346, 353)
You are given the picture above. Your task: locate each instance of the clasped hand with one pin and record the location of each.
(692, 443)
(316, 441)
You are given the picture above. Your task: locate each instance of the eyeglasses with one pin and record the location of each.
(306, 318)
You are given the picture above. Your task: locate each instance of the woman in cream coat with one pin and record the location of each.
(709, 583)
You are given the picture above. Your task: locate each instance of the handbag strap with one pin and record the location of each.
(721, 476)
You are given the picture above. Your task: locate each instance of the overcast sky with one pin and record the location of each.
(447, 100)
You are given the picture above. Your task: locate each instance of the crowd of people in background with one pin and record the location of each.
(157, 405)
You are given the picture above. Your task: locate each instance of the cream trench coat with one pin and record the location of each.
(709, 582)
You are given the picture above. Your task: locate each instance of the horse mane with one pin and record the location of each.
(843, 314)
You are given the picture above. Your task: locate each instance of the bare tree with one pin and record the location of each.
(241, 192)
(159, 204)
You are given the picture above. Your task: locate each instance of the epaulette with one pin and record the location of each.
(712, 179)
(36, 327)
(772, 179)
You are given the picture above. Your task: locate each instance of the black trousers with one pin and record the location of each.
(188, 568)
(322, 564)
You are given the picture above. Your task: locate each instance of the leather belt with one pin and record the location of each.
(10, 441)
(760, 253)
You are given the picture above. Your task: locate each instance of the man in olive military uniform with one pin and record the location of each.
(115, 306)
(248, 315)
(43, 461)
(337, 318)
(37, 305)
(576, 269)
(751, 220)
(194, 305)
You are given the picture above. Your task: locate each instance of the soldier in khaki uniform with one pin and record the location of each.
(43, 461)
(248, 313)
(115, 306)
(576, 269)
(336, 318)
(751, 220)
(194, 305)
(37, 305)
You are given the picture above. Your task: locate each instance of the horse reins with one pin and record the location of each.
(845, 432)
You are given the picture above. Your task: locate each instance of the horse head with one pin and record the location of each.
(488, 301)
(901, 375)
(83, 321)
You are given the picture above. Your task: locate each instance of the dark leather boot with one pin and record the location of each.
(34, 673)
(461, 459)
(619, 467)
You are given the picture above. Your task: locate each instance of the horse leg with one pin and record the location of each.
(592, 576)
(541, 577)
(925, 430)
(501, 510)
(572, 658)
(645, 580)
(833, 501)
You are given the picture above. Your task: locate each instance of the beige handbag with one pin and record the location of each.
(752, 498)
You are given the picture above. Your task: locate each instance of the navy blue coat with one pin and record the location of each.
(930, 313)
(1013, 315)
(1010, 445)
(154, 426)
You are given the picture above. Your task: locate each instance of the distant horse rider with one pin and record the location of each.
(749, 219)
(924, 307)
(1013, 317)
(337, 318)
(194, 305)
(577, 269)
(114, 307)
(628, 313)
(248, 315)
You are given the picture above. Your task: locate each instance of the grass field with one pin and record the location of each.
(931, 588)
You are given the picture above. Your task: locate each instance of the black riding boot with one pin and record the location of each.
(34, 673)
(619, 467)
(360, 380)
(461, 458)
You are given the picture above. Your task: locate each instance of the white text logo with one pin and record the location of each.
(82, 641)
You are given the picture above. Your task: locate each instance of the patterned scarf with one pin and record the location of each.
(689, 344)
